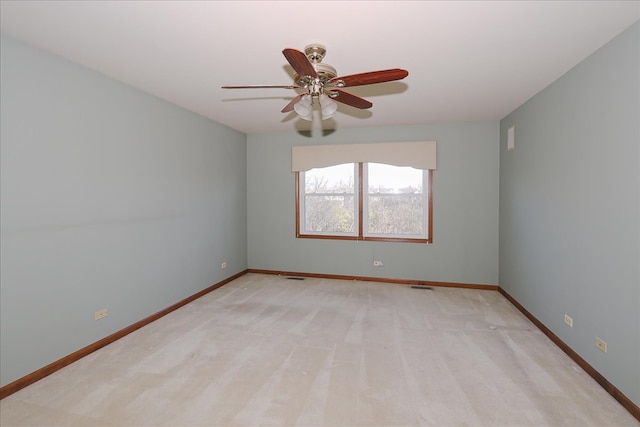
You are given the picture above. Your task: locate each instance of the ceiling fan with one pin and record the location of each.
(320, 82)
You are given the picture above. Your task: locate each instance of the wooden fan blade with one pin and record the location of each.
(261, 86)
(371, 77)
(350, 99)
(300, 63)
(293, 102)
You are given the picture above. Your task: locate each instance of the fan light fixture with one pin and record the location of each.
(304, 107)
(328, 107)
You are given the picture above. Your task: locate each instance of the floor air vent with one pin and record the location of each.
(295, 278)
(429, 288)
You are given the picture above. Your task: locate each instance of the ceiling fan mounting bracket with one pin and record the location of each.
(315, 52)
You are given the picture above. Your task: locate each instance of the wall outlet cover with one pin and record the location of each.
(601, 344)
(568, 320)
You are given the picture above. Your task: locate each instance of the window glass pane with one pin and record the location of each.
(329, 200)
(332, 179)
(395, 201)
(394, 179)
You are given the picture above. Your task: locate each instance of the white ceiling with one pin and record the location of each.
(467, 61)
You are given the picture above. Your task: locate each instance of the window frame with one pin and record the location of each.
(359, 217)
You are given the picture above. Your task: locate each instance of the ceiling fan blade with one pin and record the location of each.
(293, 102)
(370, 78)
(300, 63)
(350, 99)
(261, 86)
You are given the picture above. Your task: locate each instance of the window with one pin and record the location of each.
(329, 201)
(364, 201)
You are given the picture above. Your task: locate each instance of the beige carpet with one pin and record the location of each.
(267, 351)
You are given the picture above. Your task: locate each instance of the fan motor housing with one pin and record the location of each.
(325, 73)
(315, 53)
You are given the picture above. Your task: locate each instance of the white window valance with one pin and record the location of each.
(419, 155)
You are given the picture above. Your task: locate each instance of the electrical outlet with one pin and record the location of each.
(101, 313)
(568, 320)
(223, 265)
(601, 344)
(377, 263)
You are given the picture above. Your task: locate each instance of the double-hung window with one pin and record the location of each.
(364, 200)
(328, 201)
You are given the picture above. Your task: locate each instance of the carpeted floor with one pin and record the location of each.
(267, 351)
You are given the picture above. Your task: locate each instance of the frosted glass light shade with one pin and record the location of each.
(328, 106)
(304, 108)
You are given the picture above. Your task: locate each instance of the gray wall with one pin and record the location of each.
(110, 198)
(570, 209)
(465, 229)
